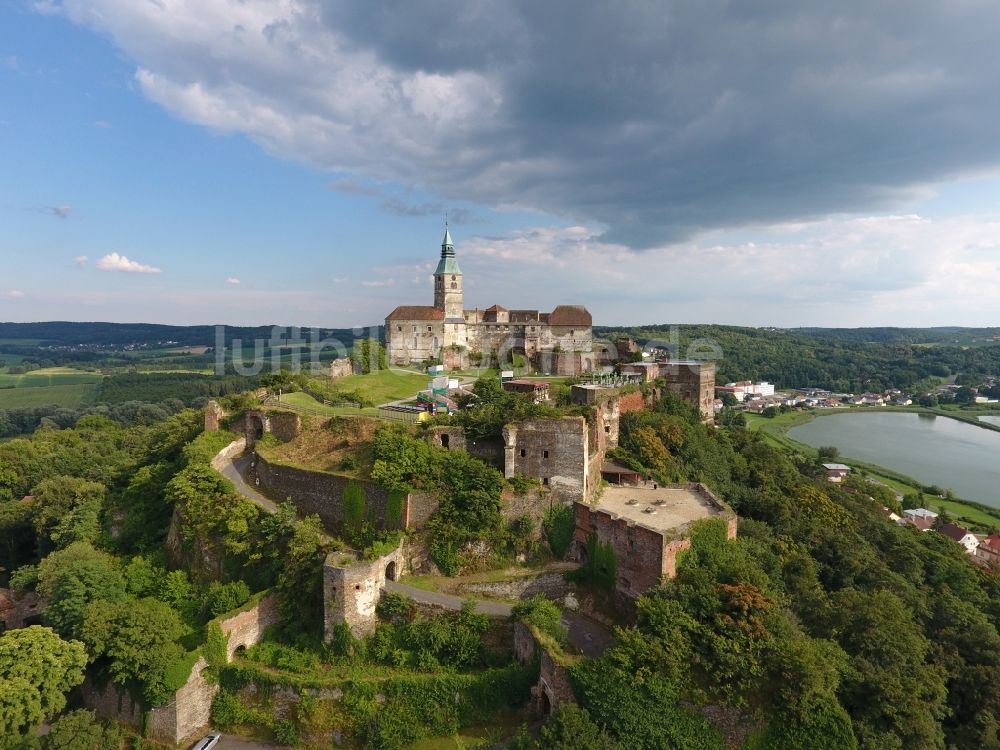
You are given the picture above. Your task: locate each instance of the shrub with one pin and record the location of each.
(544, 615)
(559, 525)
(394, 608)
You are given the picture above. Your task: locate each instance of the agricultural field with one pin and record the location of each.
(69, 396)
(50, 376)
(59, 386)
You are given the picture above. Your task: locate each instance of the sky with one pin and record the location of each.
(256, 162)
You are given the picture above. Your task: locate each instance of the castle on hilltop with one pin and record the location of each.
(560, 341)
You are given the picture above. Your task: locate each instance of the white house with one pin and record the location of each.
(963, 536)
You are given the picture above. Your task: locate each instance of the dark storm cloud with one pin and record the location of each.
(658, 120)
(662, 119)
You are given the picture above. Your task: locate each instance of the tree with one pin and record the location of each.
(826, 454)
(67, 510)
(72, 578)
(37, 669)
(81, 730)
(138, 640)
(571, 728)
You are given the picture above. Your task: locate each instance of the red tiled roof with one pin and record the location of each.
(992, 542)
(416, 312)
(570, 315)
(952, 531)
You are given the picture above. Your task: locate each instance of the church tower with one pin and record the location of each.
(448, 282)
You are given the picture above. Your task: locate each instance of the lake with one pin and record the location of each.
(933, 450)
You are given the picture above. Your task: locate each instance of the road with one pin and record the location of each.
(229, 742)
(234, 471)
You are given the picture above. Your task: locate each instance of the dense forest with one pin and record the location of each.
(848, 360)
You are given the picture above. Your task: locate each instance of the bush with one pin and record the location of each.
(544, 615)
(394, 608)
(559, 525)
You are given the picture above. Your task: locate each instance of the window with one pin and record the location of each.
(414, 342)
(545, 454)
(545, 481)
(523, 452)
(428, 328)
(454, 285)
(607, 429)
(453, 278)
(399, 328)
(414, 328)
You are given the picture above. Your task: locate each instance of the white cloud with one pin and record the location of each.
(81, 260)
(233, 280)
(60, 212)
(116, 262)
(379, 283)
(15, 294)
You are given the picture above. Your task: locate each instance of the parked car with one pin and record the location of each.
(207, 742)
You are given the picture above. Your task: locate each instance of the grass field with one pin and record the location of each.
(51, 376)
(58, 395)
(306, 401)
(383, 386)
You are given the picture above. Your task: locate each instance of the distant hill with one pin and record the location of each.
(152, 335)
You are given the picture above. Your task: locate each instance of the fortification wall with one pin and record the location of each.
(189, 713)
(244, 629)
(552, 450)
(454, 438)
(352, 588)
(554, 687)
(323, 494)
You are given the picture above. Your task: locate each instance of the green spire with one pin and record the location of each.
(448, 264)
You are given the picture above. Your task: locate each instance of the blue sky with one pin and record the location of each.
(289, 162)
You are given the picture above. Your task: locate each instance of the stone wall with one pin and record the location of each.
(228, 453)
(189, 714)
(552, 450)
(244, 629)
(352, 588)
(322, 493)
(18, 608)
(554, 687)
(454, 438)
(341, 367)
(285, 425)
(214, 415)
(550, 585)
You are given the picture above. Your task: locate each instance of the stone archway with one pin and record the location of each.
(390, 571)
(254, 429)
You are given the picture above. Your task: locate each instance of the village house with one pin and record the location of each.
(919, 518)
(963, 536)
(988, 551)
(836, 472)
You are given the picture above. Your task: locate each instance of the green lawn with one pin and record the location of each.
(308, 402)
(384, 386)
(59, 395)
